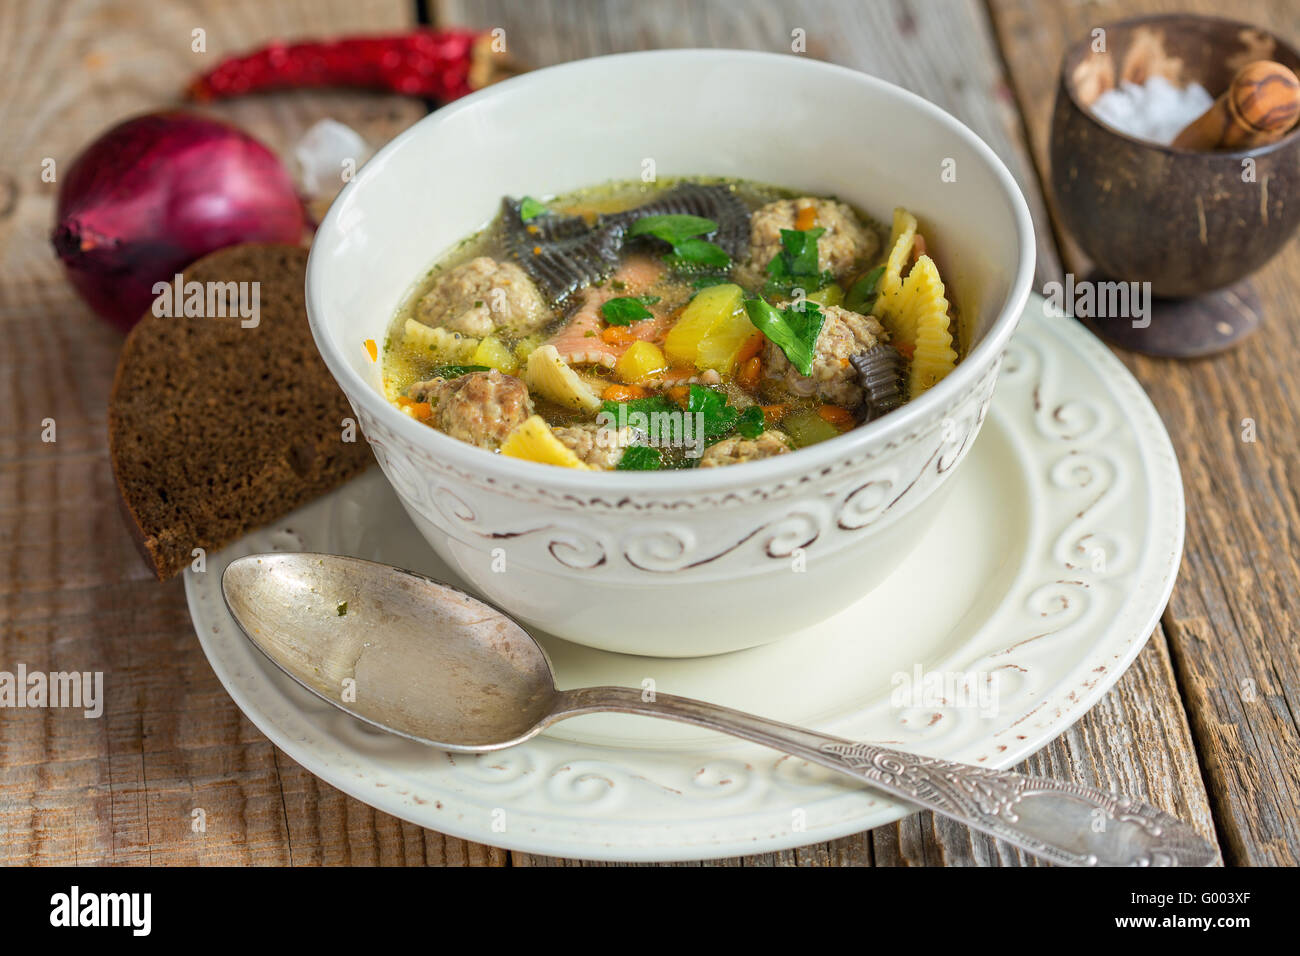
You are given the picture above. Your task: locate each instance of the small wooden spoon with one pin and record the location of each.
(1262, 103)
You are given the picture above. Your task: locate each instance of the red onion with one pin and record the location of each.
(157, 192)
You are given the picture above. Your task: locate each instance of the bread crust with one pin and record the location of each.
(215, 429)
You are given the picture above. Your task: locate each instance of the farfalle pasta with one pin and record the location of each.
(690, 324)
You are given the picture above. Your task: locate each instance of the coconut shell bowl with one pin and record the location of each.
(1191, 222)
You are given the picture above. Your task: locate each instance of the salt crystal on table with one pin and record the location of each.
(327, 154)
(1155, 110)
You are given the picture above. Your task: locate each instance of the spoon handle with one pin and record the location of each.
(1066, 823)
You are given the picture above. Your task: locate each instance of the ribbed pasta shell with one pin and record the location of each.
(549, 377)
(881, 371)
(533, 440)
(449, 348)
(919, 317)
(900, 250)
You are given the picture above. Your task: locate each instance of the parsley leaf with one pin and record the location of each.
(530, 208)
(793, 330)
(862, 295)
(795, 266)
(627, 309)
(697, 254)
(672, 229)
(719, 418)
(690, 253)
(654, 403)
(456, 371)
(640, 458)
(751, 422)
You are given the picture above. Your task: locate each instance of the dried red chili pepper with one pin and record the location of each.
(435, 64)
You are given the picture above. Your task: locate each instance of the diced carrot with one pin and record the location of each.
(904, 349)
(753, 345)
(681, 394)
(623, 393)
(420, 410)
(806, 219)
(679, 373)
(750, 372)
(372, 349)
(618, 335)
(836, 415)
(774, 413)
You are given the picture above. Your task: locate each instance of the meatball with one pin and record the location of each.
(733, 451)
(596, 445)
(834, 379)
(481, 408)
(844, 245)
(481, 297)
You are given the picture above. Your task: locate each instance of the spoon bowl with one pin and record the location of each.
(424, 660)
(394, 648)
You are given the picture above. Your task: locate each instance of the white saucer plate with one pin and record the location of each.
(1038, 584)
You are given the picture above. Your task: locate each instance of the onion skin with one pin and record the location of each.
(157, 192)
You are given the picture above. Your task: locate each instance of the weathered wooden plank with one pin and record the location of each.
(68, 78)
(1235, 613)
(944, 51)
(73, 593)
(149, 772)
(1134, 741)
(940, 49)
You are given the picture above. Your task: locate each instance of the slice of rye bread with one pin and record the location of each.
(215, 429)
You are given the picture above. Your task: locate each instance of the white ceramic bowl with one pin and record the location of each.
(693, 562)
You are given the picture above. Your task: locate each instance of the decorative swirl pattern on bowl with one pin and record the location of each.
(644, 532)
(418, 464)
(583, 799)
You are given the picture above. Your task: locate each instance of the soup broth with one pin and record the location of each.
(688, 323)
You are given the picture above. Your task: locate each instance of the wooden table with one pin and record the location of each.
(1204, 724)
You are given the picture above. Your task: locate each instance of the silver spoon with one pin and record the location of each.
(429, 662)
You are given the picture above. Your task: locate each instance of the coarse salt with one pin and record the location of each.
(328, 154)
(1156, 110)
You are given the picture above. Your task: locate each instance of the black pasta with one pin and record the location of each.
(715, 202)
(561, 254)
(880, 373)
